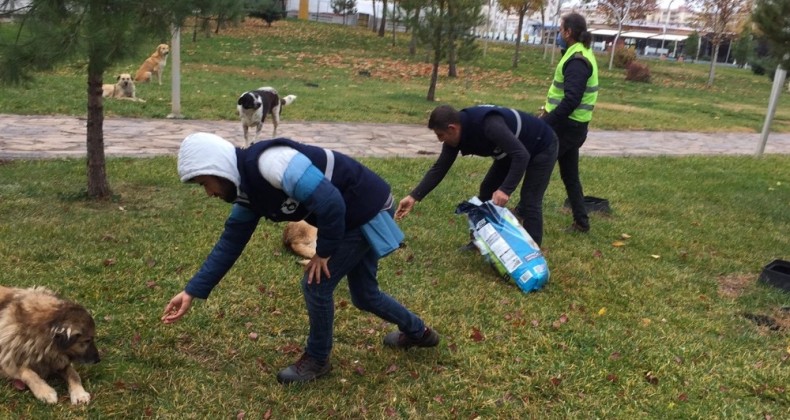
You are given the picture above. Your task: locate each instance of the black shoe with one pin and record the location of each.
(304, 370)
(576, 227)
(397, 339)
(468, 247)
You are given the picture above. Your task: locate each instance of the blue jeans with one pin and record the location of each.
(356, 260)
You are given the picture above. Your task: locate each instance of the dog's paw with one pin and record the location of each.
(79, 396)
(46, 394)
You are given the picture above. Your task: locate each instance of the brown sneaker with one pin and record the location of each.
(397, 339)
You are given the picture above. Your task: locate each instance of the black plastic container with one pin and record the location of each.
(592, 204)
(777, 273)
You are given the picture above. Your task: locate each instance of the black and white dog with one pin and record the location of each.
(255, 104)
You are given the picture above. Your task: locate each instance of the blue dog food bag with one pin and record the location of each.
(505, 244)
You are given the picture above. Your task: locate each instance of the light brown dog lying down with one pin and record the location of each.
(300, 238)
(123, 89)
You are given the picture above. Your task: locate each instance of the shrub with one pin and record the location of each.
(623, 57)
(637, 72)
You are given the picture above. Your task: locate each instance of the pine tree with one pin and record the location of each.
(772, 17)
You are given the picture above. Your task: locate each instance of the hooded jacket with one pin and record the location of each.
(328, 189)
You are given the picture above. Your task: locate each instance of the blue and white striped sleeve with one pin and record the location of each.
(293, 172)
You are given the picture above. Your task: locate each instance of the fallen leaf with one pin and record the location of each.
(563, 318)
(683, 397)
(611, 378)
(655, 256)
(618, 244)
(556, 381)
(625, 236)
(597, 253)
(615, 356)
(646, 322)
(109, 261)
(268, 414)
(535, 323)
(602, 311)
(391, 369)
(477, 336)
(253, 336)
(240, 415)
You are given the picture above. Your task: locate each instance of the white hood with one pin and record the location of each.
(207, 154)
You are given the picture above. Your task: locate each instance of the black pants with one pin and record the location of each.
(533, 188)
(572, 135)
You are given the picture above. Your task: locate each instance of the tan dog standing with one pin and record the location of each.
(155, 64)
(123, 89)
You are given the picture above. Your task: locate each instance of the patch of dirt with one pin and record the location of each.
(781, 317)
(779, 320)
(733, 285)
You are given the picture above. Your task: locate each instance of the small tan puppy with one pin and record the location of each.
(155, 64)
(123, 89)
(300, 238)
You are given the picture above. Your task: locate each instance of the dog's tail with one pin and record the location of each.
(288, 100)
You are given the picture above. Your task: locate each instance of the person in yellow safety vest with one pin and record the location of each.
(569, 108)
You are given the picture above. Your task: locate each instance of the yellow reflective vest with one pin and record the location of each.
(582, 113)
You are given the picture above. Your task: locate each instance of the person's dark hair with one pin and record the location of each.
(578, 27)
(442, 116)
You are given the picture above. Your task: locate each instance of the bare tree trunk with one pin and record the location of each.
(521, 14)
(713, 59)
(543, 39)
(437, 58)
(413, 42)
(614, 47)
(383, 27)
(373, 26)
(394, 22)
(98, 187)
(452, 50)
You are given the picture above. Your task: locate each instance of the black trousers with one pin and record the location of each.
(533, 188)
(572, 135)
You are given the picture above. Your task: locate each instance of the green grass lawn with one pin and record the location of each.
(325, 66)
(651, 314)
(658, 327)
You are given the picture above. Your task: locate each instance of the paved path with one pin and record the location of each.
(23, 136)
